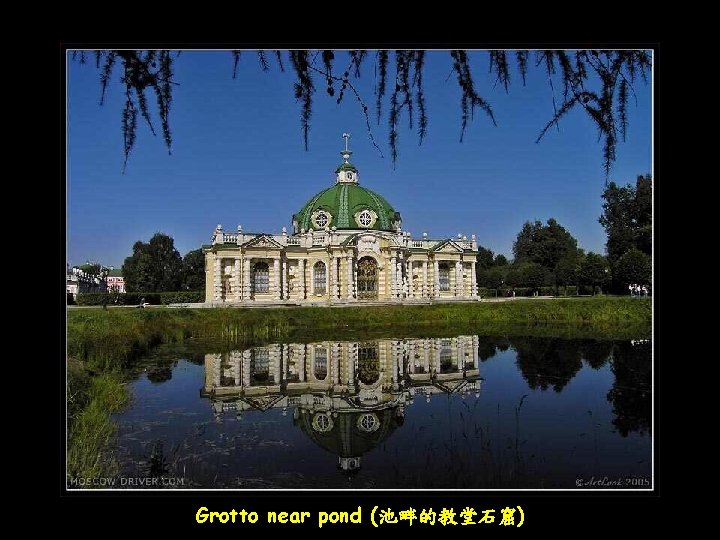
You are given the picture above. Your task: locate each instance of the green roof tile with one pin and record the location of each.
(342, 202)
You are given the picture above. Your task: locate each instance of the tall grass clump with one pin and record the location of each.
(91, 401)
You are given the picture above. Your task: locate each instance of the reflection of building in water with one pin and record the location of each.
(347, 397)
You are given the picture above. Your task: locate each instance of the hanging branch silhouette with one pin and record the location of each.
(599, 82)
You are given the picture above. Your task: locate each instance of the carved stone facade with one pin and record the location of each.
(347, 246)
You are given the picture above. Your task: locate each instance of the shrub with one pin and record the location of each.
(133, 299)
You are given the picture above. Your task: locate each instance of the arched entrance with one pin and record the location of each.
(367, 280)
(368, 363)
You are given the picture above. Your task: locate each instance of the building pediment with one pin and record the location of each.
(369, 241)
(448, 246)
(451, 386)
(263, 241)
(263, 403)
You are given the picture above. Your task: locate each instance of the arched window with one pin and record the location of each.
(319, 278)
(367, 278)
(446, 357)
(320, 367)
(261, 278)
(444, 276)
(260, 367)
(368, 363)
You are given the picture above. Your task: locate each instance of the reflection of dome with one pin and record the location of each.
(352, 433)
(343, 206)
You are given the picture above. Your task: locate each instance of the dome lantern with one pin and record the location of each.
(346, 173)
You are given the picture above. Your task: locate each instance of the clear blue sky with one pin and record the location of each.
(238, 158)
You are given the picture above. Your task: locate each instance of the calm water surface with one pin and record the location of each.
(463, 412)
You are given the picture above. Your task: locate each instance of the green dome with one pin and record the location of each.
(343, 202)
(345, 438)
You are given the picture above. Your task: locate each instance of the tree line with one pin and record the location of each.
(547, 255)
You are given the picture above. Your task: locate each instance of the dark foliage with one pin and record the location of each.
(631, 392)
(134, 298)
(193, 271)
(153, 267)
(627, 217)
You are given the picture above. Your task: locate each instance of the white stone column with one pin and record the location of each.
(276, 278)
(395, 356)
(351, 356)
(460, 354)
(276, 362)
(301, 271)
(436, 267)
(238, 280)
(350, 281)
(399, 279)
(473, 280)
(328, 271)
(409, 279)
(436, 346)
(217, 279)
(246, 279)
(246, 368)
(217, 366)
(426, 356)
(335, 361)
(284, 361)
(300, 355)
(237, 368)
(424, 291)
(285, 279)
(458, 278)
(393, 278)
(336, 277)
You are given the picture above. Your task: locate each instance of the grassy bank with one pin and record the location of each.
(92, 398)
(103, 343)
(109, 339)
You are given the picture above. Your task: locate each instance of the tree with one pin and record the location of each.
(91, 269)
(500, 260)
(492, 278)
(545, 245)
(594, 271)
(598, 82)
(483, 272)
(534, 275)
(153, 267)
(627, 217)
(631, 392)
(567, 269)
(547, 362)
(193, 271)
(484, 258)
(633, 267)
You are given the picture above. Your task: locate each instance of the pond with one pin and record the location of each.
(463, 412)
